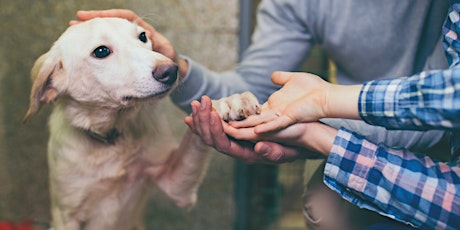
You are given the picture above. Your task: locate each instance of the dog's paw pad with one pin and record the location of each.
(237, 106)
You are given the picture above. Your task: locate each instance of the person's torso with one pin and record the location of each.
(373, 39)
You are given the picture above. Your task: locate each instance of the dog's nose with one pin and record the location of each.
(165, 73)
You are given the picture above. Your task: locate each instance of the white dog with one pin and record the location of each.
(109, 144)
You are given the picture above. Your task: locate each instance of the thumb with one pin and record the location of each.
(280, 78)
(275, 153)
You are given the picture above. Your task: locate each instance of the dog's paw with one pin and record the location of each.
(237, 106)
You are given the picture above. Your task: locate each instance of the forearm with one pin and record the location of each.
(319, 138)
(418, 141)
(342, 101)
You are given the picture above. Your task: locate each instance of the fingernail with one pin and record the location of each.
(203, 105)
(193, 110)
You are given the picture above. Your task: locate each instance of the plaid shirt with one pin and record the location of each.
(408, 187)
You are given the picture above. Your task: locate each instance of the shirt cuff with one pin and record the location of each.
(378, 102)
(349, 161)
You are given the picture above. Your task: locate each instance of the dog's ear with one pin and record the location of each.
(46, 68)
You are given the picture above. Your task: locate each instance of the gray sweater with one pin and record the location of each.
(367, 40)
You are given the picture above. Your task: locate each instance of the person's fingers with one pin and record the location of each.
(73, 22)
(280, 78)
(240, 133)
(254, 120)
(85, 15)
(220, 139)
(265, 151)
(243, 150)
(118, 13)
(280, 122)
(161, 44)
(236, 148)
(202, 121)
(195, 118)
(275, 153)
(188, 120)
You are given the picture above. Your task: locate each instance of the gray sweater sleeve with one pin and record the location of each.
(281, 42)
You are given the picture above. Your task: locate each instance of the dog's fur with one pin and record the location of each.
(109, 144)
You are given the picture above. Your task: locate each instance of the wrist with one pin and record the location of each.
(342, 101)
(319, 138)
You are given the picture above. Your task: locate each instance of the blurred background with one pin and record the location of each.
(212, 32)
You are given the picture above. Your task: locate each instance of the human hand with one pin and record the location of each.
(207, 124)
(304, 97)
(301, 99)
(159, 42)
(314, 136)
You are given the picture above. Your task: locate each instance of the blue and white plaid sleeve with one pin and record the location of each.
(423, 101)
(450, 31)
(393, 182)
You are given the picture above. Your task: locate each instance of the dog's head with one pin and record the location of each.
(106, 62)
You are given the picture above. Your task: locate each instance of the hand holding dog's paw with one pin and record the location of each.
(237, 106)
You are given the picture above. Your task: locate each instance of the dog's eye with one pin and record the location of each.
(101, 52)
(143, 37)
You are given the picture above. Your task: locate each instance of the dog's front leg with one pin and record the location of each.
(185, 170)
(62, 220)
(187, 165)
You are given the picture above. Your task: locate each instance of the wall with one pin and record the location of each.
(205, 30)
